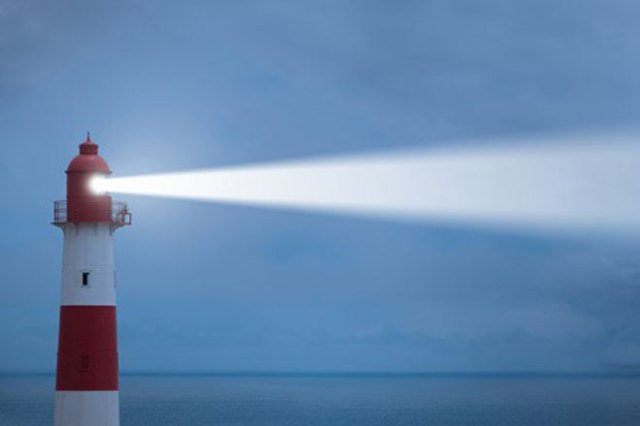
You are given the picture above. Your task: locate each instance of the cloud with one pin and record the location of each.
(553, 320)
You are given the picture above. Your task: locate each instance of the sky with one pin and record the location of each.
(168, 86)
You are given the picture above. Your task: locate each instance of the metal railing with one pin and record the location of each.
(59, 212)
(120, 215)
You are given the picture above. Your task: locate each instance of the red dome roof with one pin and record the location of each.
(88, 160)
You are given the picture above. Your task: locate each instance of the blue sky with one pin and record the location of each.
(191, 84)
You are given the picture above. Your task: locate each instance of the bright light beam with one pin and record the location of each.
(557, 183)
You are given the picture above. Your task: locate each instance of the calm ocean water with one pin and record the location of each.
(342, 400)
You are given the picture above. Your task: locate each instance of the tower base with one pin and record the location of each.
(87, 408)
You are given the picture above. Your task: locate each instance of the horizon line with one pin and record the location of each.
(623, 373)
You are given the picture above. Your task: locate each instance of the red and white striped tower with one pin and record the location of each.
(87, 370)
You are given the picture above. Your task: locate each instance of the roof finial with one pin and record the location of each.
(88, 147)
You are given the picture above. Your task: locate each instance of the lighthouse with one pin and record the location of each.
(87, 366)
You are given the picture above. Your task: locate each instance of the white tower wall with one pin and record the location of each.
(88, 248)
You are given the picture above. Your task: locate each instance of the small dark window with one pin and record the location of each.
(85, 278)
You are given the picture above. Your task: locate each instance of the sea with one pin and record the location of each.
(348, 399)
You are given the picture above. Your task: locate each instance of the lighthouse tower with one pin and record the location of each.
(87, 369)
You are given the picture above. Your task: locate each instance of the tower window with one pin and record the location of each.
(85, 278)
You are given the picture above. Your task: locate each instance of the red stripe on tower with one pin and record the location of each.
(88, 349)
(87, 368)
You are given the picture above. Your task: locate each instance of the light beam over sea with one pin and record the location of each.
(571, 182)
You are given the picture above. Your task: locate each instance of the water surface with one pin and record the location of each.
(370, 400)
